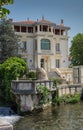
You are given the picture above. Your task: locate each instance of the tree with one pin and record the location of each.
(11, 69)
(4, 11)
(76, 50)
(8, 41)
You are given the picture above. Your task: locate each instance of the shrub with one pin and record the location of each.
(32, 75)
(11, 69)
(43, 94)
(70, 98)
(58, 80)
(67, 98)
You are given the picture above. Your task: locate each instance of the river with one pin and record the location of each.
(63, 117)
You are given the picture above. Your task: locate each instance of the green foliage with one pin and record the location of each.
(4, 11)
(32, 75)
(9, 70)
(70, 98)
(57, 80)
(76, 50)
(55, 96)
(65, 98)
(8, 41)
(5, 2)
(43, 94)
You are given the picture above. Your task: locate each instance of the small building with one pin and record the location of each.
(78, 74)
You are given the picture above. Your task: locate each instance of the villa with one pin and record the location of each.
(43, 44)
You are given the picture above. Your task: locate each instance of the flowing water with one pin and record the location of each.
(8, 115)
(63, 117)
(11, 119)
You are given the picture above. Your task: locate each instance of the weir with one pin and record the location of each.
(7, 118)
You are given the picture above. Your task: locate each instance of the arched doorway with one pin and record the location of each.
(42, 63)
(45, 63)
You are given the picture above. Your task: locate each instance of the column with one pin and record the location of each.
(60, 31)
(20, 28)
(38, 29)
(48, 28)
(27, 29)
(51, 29)
(66, 33)
(38, 61)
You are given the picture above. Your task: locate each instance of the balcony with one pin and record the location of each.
(45, 52)
(58, 52)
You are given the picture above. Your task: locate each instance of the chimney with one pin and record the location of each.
(62, 22)
(42, 17)
(37, 20)
(27, 19)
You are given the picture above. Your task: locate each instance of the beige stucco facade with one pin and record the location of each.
(45, 43)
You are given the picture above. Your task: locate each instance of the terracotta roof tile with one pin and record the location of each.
(25, 22)
(44, 21)
(33, 22)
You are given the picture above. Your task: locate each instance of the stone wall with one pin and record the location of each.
(27, 96)
(69, 89)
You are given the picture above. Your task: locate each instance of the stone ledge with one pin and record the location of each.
(5, 125)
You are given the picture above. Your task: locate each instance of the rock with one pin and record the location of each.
(5, 125)
(41, 74)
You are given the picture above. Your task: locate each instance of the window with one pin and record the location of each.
(23, 29)
(17, 28)
(23, 45)
(57, 47)
(57, 63)
(30, 29)
(45, 44)
(57, 31)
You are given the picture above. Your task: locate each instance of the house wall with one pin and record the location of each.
(64, 53)
(32, 56)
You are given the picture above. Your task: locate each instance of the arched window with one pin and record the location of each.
(45, 44)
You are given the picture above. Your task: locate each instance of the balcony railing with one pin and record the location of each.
(29, 87)
(45, 52)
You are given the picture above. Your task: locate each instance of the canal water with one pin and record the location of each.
(63, 117)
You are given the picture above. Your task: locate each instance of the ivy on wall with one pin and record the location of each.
(44, 93)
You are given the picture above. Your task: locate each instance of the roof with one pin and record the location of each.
(25, 22)
(45, 21)
(41, 21)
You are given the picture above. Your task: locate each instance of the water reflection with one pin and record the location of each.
(64, 117)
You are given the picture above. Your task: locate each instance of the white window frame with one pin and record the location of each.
(24, 45)
(57, 47)
(57, 63)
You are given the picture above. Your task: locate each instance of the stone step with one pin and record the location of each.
(53, 75)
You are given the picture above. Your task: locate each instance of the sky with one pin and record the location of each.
(71, 11)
